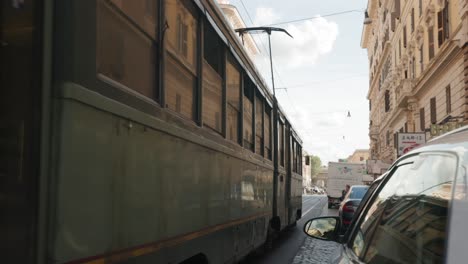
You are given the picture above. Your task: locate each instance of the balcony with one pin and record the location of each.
(403, 92)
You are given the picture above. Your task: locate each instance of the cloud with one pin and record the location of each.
(312, 39)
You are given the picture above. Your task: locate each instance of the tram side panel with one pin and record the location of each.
(122, 186)
(296, 198)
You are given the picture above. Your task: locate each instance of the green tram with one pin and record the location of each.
(137, 131)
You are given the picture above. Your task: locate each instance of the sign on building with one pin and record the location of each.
(409, 141)
(437, 130)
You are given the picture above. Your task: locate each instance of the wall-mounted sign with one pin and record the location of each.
(437, 130)
(409, 141)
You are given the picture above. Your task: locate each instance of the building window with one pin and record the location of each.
(126, 44)
(233, 86)
(181, 65)
(412, 20)
(443, 24)
(404, 36)
(421, 59)
(420, 8)
(448, 100)
(399, 49)
(213, 67)
(267, 124)
(430, 33)
(370, 104)
(397, 9)
(259, 124)
(422, 119)
(249, 88)
(387, 138)
(387, 100)
(433, 111)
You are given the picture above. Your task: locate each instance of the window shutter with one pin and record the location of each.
(397, 9)
(433, 111)
(446, 20)
(404, 36)
(430, 33)
(448, 100)
(422, 121)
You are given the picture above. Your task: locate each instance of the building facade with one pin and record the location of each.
(306, 171)
(359, 156)
(418, 67)
(235, 20)
(321, 179)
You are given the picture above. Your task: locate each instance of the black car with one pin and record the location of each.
(416, 213)
(351, 202)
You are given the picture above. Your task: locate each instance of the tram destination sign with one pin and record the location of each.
(409, 141)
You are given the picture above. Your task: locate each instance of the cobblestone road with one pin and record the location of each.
(317, 251)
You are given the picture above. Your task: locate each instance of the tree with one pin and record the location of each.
(315, 165)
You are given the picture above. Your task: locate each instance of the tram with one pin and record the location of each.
(137, 132)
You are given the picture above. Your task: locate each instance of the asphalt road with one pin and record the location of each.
(289, 242)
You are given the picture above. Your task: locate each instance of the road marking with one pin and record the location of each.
(312, 207)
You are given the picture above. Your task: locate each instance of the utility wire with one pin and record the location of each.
(315, 17)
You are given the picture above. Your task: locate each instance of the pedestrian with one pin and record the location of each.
(344, 192)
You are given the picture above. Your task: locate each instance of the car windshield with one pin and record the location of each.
(358, 192)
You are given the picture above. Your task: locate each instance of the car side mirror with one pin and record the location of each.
(324, 228)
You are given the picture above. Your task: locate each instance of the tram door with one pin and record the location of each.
(20, 78)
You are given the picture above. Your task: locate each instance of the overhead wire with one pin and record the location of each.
(292, 104)
(316, 17)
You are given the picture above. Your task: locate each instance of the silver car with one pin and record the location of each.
(416, 213)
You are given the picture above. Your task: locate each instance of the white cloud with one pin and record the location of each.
(312, 39)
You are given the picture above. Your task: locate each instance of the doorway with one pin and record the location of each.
(20, 93)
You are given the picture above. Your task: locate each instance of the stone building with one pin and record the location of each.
(418, 68)
(359, 156)
(235, 20)
(306, 171)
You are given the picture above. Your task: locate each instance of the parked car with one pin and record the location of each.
(350, 203)
(416, 213)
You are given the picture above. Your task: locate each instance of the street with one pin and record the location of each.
(293, 246)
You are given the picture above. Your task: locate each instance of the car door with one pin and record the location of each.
(406, 220)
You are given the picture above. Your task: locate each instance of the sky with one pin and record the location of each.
(323, 67)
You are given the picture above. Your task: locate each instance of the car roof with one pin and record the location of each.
(359, 186)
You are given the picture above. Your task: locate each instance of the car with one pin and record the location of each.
(415, 213)
(350, 203)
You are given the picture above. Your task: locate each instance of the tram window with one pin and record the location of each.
(258, 124)
(281, 143)
(248, 113)
(300, 160)
(233, 79)
(127, 43)
(294, 155)
(213, 65)
(267, 123)
(181, 64)
(287, 148)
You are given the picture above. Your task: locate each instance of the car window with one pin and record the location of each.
(406, 221)
(358, 193)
